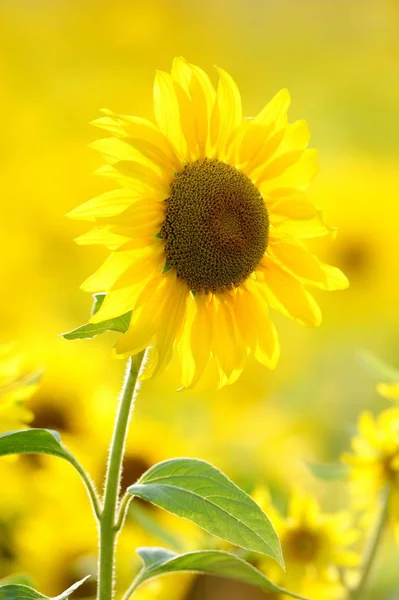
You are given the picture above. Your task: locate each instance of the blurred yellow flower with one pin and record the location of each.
(316, 546)
(389, 390)
(374, 462)
(207, 231)
(15, 387)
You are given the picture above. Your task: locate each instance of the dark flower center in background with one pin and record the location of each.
(48, 415)
(301, 545)
(216, 226)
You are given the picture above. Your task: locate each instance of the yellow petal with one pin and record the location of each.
(181, 72)
(141, 268)
(184, 359)
(268, 348)
(146, 318)
(167, 113)
(118, 302)
(296, 137)
(111, 122)
(311, 512)
(169, 329)
(114, 150)
(108, 273)
(151, 364)
(107, 204)
(147, 224)
(141, 211)
(201, 337)
(389, 390)
(140, 230)
(137, 172)
(266, 151)
(348, 558)
(226, 345)
(154, 157)
(275, 112)
(103, 236)
(287, 295)
(277, 166)
(256, 328)
(297, 260)
(188, 122)
(140, 186)
(296, 506)
(226, 115)
(203, 98)
(302, 229)
(141, 131)
(253, 137)
(291, 203)
(367, 427)
(257, 144)
(243, 315)
(298, 176)
(140, 243)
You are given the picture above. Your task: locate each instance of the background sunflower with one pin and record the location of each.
(61, 62)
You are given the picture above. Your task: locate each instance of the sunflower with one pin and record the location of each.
(374, 462)
(316, 546)
(207, 230)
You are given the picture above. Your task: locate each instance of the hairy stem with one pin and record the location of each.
(108, 532)
(372, 548)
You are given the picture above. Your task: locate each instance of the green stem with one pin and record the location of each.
(372, 548)
(130, 590)
(108, 533)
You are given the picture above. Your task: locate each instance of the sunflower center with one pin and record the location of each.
(302, 545)
(216, 226)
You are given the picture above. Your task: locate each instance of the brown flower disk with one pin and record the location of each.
(216, 226)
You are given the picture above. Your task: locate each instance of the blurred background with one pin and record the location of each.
(60, 62)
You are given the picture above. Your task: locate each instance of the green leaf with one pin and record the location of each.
(33, 441)
(329, 471)
(36, 441)
(197, 491)
(378, 368)
(98, 300)
(159, 561)
(23, 592)
(90, 330)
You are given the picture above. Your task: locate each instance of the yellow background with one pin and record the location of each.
(63, 60)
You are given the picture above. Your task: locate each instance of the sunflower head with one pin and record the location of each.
(311, 537)
(374, 461)
(207, 228)
(315, 546)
